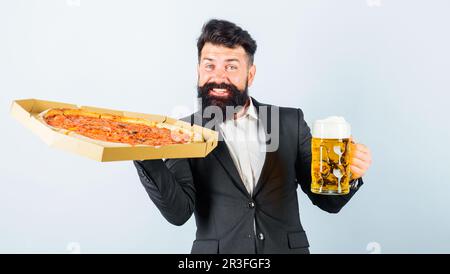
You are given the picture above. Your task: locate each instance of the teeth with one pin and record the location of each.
(219, 90)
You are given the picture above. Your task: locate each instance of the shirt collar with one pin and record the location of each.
(251, 111)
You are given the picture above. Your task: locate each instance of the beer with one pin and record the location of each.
(330, 147)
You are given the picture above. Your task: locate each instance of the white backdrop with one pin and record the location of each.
(381, 64)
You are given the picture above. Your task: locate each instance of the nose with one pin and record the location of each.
(220, 76)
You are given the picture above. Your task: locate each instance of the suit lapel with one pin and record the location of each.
(221, 152)
(223, 156)
(265, 120)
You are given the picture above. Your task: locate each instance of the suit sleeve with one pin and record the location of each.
(329, 203)
(170, 186)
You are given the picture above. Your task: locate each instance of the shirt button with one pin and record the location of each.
(251, 204)
(261, 236)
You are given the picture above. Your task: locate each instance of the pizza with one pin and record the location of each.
(117, 129)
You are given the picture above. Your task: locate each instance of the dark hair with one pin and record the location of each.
(225, 33)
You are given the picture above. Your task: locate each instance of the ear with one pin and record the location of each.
(251, 75)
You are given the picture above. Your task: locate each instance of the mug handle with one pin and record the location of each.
(353, 183)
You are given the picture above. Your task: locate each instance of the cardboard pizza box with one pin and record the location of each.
(26, 111)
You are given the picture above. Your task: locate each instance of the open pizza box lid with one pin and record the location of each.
(26, 112)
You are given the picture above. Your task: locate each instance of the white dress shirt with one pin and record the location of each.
(247, 145)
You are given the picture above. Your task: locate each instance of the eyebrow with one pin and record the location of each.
(232, 60)
(226, 60)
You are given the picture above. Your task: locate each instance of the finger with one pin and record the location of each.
(360, 164)
(358, 154)
(356, 172)
(366, 157)
(362, 148)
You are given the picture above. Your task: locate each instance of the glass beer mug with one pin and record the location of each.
(330, 147)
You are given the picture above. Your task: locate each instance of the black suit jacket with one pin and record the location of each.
(228, 219)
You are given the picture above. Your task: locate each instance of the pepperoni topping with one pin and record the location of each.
(115, 131)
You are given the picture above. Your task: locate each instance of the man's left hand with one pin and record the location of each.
(360, 159)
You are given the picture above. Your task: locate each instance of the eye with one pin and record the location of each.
(231, 67)
(209, 66)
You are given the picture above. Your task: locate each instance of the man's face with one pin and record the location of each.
(223, 76)
(219, 64)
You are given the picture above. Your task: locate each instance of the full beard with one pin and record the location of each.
(226, 99)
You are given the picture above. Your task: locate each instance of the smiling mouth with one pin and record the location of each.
(219, 92)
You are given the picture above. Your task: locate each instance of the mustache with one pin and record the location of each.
(208, 86)
(234, 99)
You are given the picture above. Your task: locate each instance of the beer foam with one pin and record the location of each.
(333, 127)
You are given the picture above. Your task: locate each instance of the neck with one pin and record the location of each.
(242, 112)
